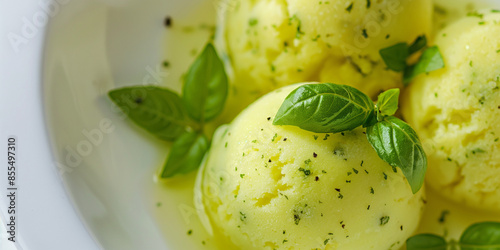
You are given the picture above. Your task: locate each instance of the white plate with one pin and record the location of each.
(107, 163)
(92, 47)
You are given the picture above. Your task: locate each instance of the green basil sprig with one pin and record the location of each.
(332, 108)
(426, 241)
(397, 144)
(186, 154)
(479, 236)
(159, 111)
(315, 108)
(205, 89)
(387, 104)
(170, 117)
(396, 56)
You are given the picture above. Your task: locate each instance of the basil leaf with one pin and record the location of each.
(325, 108)
(395, 56)
(483, 236)
(206, 86)
(426, 241)
(186, 154)
(418, 44)
(387, 104)
(372, 119)
(430, 60)
(398, 144)
(157, 110)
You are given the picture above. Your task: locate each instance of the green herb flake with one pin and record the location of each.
(326, 242)
(189, 232)
(372, 191)
(274, 137)
(340, 196)
(355, 170)
(242, 175)
(307, 172)
(242, 216)
(385, 175)
(478, 150)
(315, 137)
(442, 218)
(384, 220)
(475, 14)
(296, 217)
(364, 33)
(253, 21)
(368, 4)
(349, 8)
(254, 141)
(495, 11)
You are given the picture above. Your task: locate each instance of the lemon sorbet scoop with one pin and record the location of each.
(456, 112)
(281, 187)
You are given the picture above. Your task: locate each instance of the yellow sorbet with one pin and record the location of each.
(456, 112)
(270, 44)
(281, 187)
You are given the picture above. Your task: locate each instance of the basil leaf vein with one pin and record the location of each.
(206, 86)
(325, 108)
(186, 154)
(397, 144)
(158, 111)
